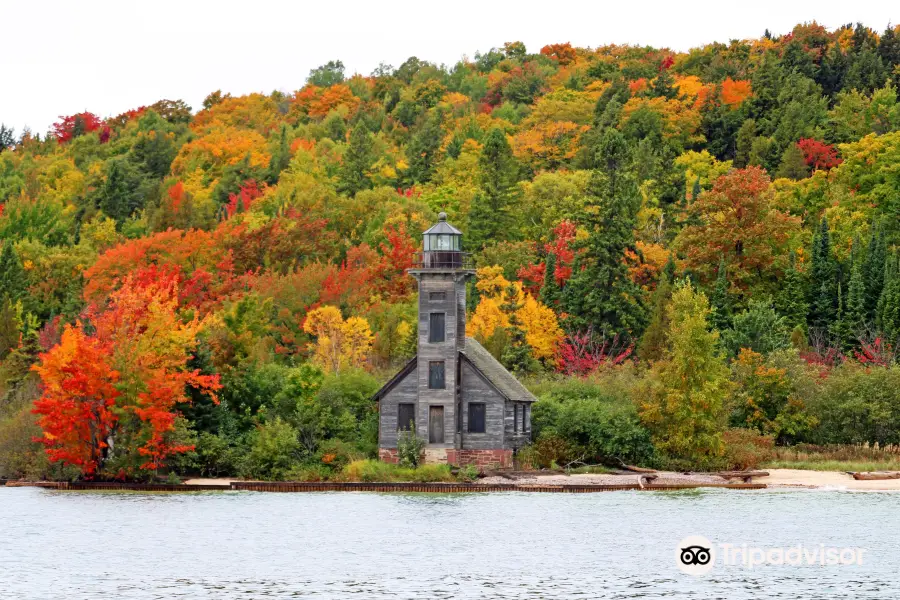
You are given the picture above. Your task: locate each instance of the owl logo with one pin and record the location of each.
(696, 555)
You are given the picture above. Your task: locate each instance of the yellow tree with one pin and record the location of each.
(339, 343)
(542, 330)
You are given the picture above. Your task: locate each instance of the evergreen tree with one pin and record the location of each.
(889, 51)
(12, 275)
(422, 150)
(517, 356)
(823, 284)
(839, 329)
(873, 272)
(664, 85)
(683, 399)
(489, 218)
(653, 342)
(855, 311)
(744, 143)
(550, 291)
(720, 302)
(123, 192)
(281, 158)
(358, 158)
(791, 300)
(889, 302)
(601, 294)
(793, 165)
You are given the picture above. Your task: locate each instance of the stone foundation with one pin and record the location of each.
(388, 455)
(496, 458)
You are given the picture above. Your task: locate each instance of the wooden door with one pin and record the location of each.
(436, 425)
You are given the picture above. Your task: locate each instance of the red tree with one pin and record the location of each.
(819, 155)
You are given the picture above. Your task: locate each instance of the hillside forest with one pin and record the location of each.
(689, 257)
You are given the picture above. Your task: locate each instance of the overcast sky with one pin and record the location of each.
(62, 57)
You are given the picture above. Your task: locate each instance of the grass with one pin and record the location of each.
(844, 457)
(834, 465)
(377, 471)
(589, 469)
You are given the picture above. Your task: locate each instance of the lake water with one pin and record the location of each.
(90, 545)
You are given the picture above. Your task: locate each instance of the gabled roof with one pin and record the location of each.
(406, 370)
(496, 374)
(489, 367)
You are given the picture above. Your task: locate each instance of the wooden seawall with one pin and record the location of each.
(408, 487)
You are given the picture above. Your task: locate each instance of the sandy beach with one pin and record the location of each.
(778, 478)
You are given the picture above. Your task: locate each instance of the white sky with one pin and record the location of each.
(62, 56)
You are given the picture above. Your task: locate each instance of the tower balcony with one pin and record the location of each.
(443, 260)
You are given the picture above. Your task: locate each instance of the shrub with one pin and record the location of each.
(310, 472)
(857, 404)
(274, 451)
(746, 448)
(409, 448)
(377, 471)
(216, 455)
(468, 473)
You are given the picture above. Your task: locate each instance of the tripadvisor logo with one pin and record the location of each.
(696, 555)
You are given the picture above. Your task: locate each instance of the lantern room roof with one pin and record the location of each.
(442, 227)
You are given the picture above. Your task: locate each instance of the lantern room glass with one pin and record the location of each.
(443, 242)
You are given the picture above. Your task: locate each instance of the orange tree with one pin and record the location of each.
(110, 396)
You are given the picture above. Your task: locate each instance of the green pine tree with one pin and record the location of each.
(517, 355)
(793, 165)
(357, 161)
(601, 294)
(856, 315)
(873, 272)
(839, 329)
(12, 275)
(664, 85)
(824, 279)
(490, 216)
(791, 300)
(683, 398)
(550, 291)
(281, 158)
(720, 301)
(889, 302)
(422, 150)
(652, 345)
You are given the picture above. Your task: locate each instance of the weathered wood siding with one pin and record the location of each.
(447, 351)
(516, 439)
(404, 391)
(476, 389)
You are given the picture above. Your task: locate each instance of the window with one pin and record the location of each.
(436, 327)
(437, 296)
(516, 418)
(524, 408)
(406, 416)
(436, 375)
(476, 417)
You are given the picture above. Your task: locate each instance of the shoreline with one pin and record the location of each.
(784, 479)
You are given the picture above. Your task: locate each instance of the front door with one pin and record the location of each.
(436, 425)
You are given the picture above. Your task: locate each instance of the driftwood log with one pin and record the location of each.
(745, 476)
(875, 475)
(645, 479)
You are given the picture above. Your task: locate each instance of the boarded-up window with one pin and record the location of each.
(436, 375)
(476, 417)
(436, 327)
(406, 416)
(516, 418)
(437, 296)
